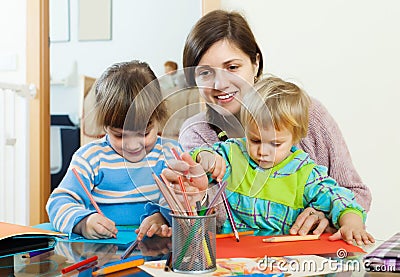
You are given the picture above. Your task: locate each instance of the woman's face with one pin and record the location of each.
(224, 74)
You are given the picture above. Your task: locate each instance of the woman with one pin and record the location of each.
(224, 40)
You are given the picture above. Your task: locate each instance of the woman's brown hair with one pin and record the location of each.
(213, 27)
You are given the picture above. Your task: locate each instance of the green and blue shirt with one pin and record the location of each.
(270, 200)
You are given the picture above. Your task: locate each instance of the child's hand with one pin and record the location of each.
(154, 225)
(96, 226)
(213, 163)
(352, 228)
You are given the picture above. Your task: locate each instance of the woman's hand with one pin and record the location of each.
(96, 226)
(311, 219)
(193, 176)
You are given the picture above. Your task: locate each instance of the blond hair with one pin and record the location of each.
(128, 96)
(280, 103)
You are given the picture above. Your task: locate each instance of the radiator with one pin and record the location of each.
(14, 152)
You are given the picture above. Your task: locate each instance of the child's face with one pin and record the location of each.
(133, 145)
(267, 146)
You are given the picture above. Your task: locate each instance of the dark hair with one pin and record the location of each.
(129, 87)
(213, 27)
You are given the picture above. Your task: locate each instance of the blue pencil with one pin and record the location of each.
(32, 254)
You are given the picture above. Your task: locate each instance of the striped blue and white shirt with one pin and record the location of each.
(121, 188)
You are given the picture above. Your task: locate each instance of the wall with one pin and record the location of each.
(152, 31)
(346, 54)
(13, 189)
(13, 40)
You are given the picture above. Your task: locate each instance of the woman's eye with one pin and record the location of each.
(275, 144)
(206, 74)
(233, 67)
(255, 140)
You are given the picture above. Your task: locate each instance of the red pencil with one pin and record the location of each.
(87, 192)
(189, 209)
(78, 265)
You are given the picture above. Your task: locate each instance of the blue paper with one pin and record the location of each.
(126, 234)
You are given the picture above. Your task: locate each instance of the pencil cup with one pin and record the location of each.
(193, 243)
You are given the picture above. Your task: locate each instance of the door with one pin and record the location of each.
(37, 68)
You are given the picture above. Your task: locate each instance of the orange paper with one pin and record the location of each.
(8, 230)
(253, 247)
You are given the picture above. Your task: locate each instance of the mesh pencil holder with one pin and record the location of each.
(193, 243)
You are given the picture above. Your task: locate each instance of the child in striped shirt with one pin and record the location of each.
(117, 169)
(270, 180)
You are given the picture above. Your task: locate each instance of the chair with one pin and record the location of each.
(64, 141)
(89, 129)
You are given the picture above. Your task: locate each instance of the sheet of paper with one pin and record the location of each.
(9, 230)
(252, 247)
(126, 234)
(294, 266)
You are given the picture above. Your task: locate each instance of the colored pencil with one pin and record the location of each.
(79, 264)
(118, 267)
(291, 238)
(231, 235)
(89, 195)
(129, 250)
(35, 253)
(174, 197)
(87, 192)
(230, 216)
(172, 202)
(176, 155)
(215, 199)
(196, 226)
(133, 258)
(77, 271)
(182, 186)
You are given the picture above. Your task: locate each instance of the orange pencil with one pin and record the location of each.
(89, 194)
(291, 238)
(118, 267)
(231, 235)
